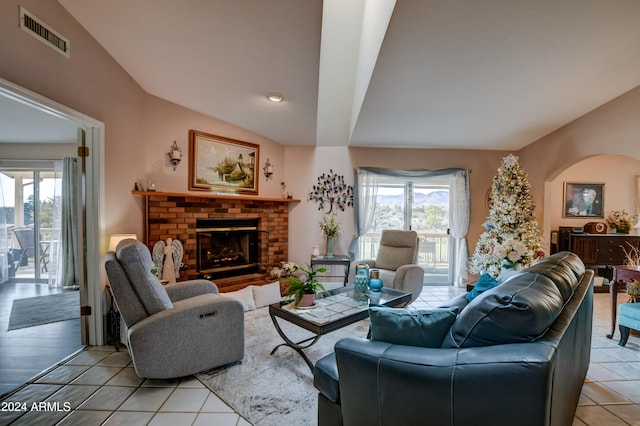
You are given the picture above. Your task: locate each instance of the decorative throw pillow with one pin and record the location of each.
(266, 294)
(484, 283)
(425, 328)
(245, 296)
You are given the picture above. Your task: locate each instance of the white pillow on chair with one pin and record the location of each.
(266, 294)
(245, 296)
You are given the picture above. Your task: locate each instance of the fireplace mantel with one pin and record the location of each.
(174, 215)
(213, 195)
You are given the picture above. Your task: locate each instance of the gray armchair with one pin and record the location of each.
(175, 330)
(397, 261)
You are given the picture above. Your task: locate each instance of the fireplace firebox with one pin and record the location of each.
(227, 247)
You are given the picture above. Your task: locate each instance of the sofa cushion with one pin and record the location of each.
(135, 259)
(424, 328)
(519, 310)
(559, 272)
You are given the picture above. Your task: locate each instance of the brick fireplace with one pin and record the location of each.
(174, 215)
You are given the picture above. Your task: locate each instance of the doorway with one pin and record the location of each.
(39, 355)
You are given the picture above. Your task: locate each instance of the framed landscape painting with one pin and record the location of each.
(222, 164)
(583, 200)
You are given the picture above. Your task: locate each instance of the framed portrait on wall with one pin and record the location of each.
(583, 200)
(222, 164)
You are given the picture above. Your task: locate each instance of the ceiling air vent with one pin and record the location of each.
(43, 32)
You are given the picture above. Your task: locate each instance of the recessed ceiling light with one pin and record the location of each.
(275, 97)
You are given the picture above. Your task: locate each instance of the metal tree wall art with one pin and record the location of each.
(332, 191)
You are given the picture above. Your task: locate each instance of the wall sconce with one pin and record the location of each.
(175, 155)
(268, 170)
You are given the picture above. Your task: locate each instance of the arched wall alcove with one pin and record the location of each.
(618, 173)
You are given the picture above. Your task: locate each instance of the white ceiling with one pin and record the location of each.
(491, 74)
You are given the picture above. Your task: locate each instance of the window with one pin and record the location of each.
(419, 201)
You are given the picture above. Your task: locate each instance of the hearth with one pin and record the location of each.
(227, 247)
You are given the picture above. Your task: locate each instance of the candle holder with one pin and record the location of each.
(175, 155)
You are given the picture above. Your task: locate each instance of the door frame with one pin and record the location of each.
(91, 288)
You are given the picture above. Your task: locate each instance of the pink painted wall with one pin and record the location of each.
(304, 165)
(139, 128)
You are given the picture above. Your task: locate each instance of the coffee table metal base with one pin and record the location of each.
(296, 346)
(335, 309)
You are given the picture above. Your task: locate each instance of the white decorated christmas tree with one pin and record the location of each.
(512, 237)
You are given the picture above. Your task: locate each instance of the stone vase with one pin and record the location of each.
(329, 250)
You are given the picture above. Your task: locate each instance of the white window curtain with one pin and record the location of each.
(69, 230)
(459, 224)
(54, 250)
(4, 239)
(365, 192)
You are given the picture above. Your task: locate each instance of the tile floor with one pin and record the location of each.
(101, 387)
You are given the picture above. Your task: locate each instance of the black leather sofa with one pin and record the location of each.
(516, 355)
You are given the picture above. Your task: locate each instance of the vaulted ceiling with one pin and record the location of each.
(468, 74)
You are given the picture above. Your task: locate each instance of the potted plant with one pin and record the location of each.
(304, 290)
(621, 220)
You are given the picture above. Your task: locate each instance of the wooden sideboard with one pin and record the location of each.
(596, 250)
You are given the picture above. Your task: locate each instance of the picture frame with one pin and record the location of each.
(218, 163)
(583, 200)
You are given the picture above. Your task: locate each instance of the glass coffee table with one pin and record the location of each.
(332, 310)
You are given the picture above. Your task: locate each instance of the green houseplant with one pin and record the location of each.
(308, 286)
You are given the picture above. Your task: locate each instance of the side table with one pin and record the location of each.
(337, 259)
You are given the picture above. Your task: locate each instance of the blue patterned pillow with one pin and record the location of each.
(484, 283)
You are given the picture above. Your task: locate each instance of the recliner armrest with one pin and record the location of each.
(409, 278)
(186, 289)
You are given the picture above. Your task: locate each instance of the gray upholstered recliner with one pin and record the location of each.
(175, 330)
(397, 261)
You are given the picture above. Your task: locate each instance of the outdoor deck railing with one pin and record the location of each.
(433, 250)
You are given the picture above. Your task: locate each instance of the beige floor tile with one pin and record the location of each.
(191, 382)
(38, 418)
(185, 400)
(96, 375)
(629, 388)
(597, 416)
(88, 358)
(173, 419)
(600, 372)
(74, 394)
(116, 359)
(129, 418)
(626, 370)
(63, 374)
(213, 404)
(219, 419)
(628, 413)
(126, 377)
(603, 395)
(85, 418)
(108, 398)
(146, 399)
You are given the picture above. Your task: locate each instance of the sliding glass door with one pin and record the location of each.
(31, 223)
(419, 204)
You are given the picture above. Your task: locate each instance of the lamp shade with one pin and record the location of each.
(116, 238)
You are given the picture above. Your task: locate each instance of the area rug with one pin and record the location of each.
(274, 389)
(40, 310)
